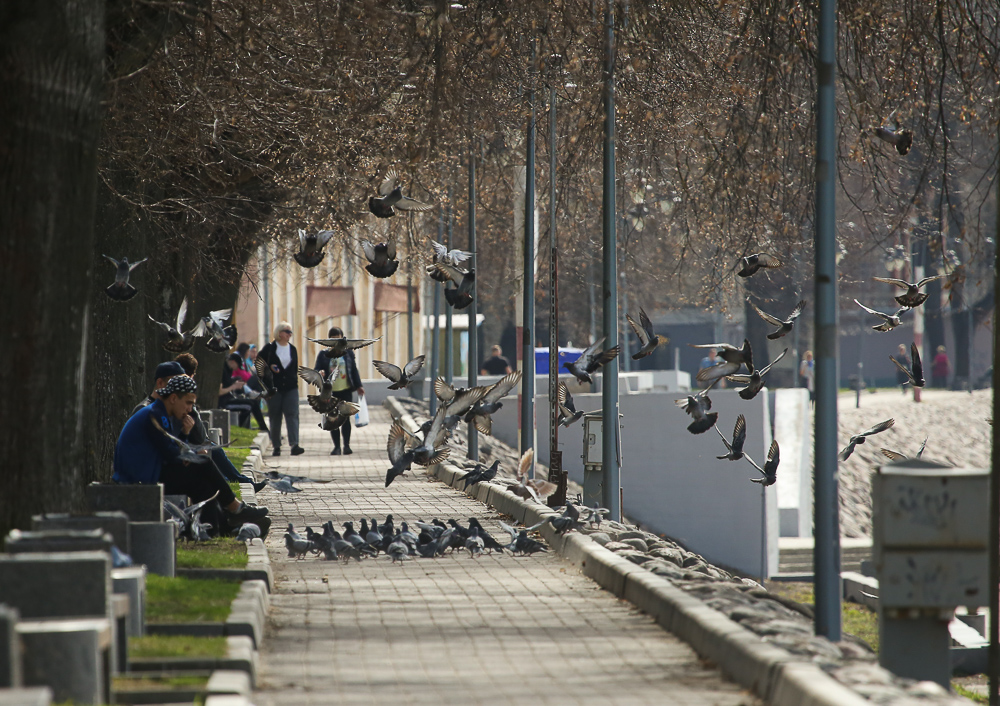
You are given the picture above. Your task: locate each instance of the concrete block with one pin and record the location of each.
(227, 700)
(142, 503)
(228, 681)
(114, 523)
(154, 544)
(32, 696)
(609, 570)
(57, 585)
(220, 420)
(120, 608)
(805, 684)
(131, 582)
(18, 542)
(860, 589)
(11, 674)
(71, 657)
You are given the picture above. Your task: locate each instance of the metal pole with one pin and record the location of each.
(626, 355)
(474, 306)
(556, 473)
(826, 552)
(528, 295)
(993, 658)
(449, 332)
(409, 314)
(436, 328)
(611, 498)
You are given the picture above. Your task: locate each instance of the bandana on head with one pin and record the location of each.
(180, 384)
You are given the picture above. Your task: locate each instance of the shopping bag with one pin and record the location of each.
(361, 418)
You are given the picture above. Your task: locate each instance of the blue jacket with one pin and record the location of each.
(141, 449)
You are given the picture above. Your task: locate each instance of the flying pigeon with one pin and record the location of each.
(266, 378)
(754, 381)
(336, 347)
(567, 409)
(381, 258)
(399, 457)
(390, 194)
(177, 340)
(337, 414)
(479, 414)
(121, 290)
(311, 247)
(913, 297)
(916, 374)
(481, 474)
(432, 451)
(860, 438)
(697, 406)
(896, 456)
(784, 326)
(896, 136)
(400, 378)
(590, 360)
(753, 263)
(459, 400)
(323, 402)
(770, 469)
(648, 339)
(735, 449)
(459, 296)
(455, 258)
(219, 339)
(732, 359)
(889, 321)
(531, 488)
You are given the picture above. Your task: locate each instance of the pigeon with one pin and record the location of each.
(190, 453)
(121, 290)
(455, 258)
(219, 339)
(381, 258)
(324, 401)
(595, 515)
(489, 542)
(297, 546)
(459, 296)
(901, 139)
(322, 543)
(398, 550)
(400, 378)
(697, 406)
(373, 536)
(387, 527)
(531, 488)
(336, 347)
(896, 456)
(889, 321)
(513, 535)
(481, 474)
(337, 414)
(447, 427)
(568, 520)
(177, 341)
(459, 400)
(188, 519)
(248, 531)
(735, 449)
(648, 339)
(916, 374)
(275, 475)
(479, 414)
(284, 486)
(432, 451)
(400, 459)
(390, 196)
(755, 380)
(732, 359)
(311, 247)
(770, 469)
(784, 327)
(913, 297)
(266, 378)
(754, 263)
(860, 438)
(590, 360)
(474, 543)
(526, 545)
(567, 409)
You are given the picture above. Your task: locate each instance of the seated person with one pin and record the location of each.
(235, 393)
(145, 454)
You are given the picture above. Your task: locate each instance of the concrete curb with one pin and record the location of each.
(774, 675)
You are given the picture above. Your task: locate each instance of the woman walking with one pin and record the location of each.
(940, 369)
(343, 373)
(283, 360)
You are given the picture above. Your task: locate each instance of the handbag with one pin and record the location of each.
(361, 418)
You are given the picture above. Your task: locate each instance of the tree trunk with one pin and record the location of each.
(51, 55)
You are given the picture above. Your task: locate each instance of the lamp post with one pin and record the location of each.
(528, 273)
(449, 344)
(473, 439)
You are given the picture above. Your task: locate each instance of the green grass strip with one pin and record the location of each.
(176, 646)
(240, 437)
(184, 600)
(221, 553)
(237, 456)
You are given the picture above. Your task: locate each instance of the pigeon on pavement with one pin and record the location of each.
(481, 474)
(474, 543)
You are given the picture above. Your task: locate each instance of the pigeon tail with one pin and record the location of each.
(121, 292)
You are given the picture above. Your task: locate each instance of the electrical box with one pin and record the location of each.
(593, 440)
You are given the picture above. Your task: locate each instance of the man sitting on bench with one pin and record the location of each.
(145, 454)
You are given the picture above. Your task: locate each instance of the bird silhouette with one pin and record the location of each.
(860, 438)
(697, 406)
(754, 381)
(459, 296)
(913, 297)
(735, 449)
(889, 321)
(121, 290)
(381, 258)
(455, 258)
(900, 138)
(336, 347)
(218, 338)
(399, 457)
(732, 359)
(770, 469)
(311, 247)
(896, 456)
(751, 264)
(479, 414)
(784, 326)
(567, 409)
(590, 360)
(400, 377)
(648, 339)
(390, 197)
(481, 474)
(915, 373)
(177, 341)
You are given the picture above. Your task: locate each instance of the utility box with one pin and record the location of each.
(930, 544)
(593, 459)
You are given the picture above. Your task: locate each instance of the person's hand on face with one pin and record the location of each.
(187, 424)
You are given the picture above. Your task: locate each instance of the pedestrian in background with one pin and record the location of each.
(496, 364)
(807, 374)
(283, 360)
(343, 374)
(940, 369)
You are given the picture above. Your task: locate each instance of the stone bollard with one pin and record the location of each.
(114, 523)
(220, 420)
(71, 657)
(18, 542)
(142, 503)
(131, 581)
(11, 675)
(215, 436)
(154, 545)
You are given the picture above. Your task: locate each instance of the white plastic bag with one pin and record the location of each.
(361, 418)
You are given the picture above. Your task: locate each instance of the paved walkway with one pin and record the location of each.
(452, 630)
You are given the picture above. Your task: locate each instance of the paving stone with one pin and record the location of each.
(453, 630)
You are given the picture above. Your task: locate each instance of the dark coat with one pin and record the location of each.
(324, 361)
(285, 379)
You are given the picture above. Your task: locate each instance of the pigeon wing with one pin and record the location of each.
(449, 271)
(763, 372)
(768, 261)
(893, 455)
(870, 311)
(414, 366)
(503, 386)
(902, 284)
(739, 432)
(605, 357)
(443, 391)
(408, 204)
(369, 250)
(918, 367)
(773, 320)
(388, 370)
(440, 251)
(302, 239)
(647, 325)
(396, 444)
(919, 284)
(322, 238)
(797, 311)
(879, 428)
(182, 314)
(390, 248)
(355, 343)
(902, 367)
(639, 331)
(464, 400)
(220, 316)
(112, 261)
(165, 327)
(389, 183)
(313, 377)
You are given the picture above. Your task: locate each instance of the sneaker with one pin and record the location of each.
(276, 452)
(336, 451)
(257, 487)
(247, 513)
(296, 450)
(347, 450)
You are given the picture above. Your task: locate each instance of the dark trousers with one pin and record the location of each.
(284, 404)
(199, 481)
(345, 428)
